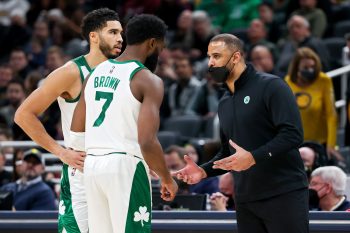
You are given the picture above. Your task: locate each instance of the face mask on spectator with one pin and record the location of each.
(308, 75)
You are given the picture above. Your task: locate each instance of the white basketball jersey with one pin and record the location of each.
(67, 106)
(112, 110)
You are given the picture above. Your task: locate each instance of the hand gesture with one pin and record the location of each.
(239, 161)
(218, 202)
(73, 158)
(168, 189)
(191, 173)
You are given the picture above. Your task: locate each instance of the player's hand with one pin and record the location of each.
(239, 161)
(168, 189)
(73, 158)
(191, 173)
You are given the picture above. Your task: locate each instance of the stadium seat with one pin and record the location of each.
(168, 138)
(187, 126)
(341, 28)
(335, 47)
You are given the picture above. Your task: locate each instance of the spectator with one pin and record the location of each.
(182, 94)
(174, 157)
(316, 17)
(183, 35)
(5, 135)
(272, 23)
(54, 59)
(9, 6)
(300, 36)
(32, 81)
(330, 183)
(263, 60)
(224, 200)
(313, 155)
(17, 162)
(192, 152)
(203, 32)
(19, 63)
(207, 101)
(5, 176)
(15, 35)
(257, 36)
(15, 95)
(314, 94)
(30, 192)
(6, 76)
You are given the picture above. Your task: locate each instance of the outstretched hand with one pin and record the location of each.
(239, 161)
(191, 173)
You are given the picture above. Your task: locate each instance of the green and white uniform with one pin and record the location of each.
(115, 174)
(72, 216)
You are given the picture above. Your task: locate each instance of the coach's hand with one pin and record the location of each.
(73, 158)
(168, 189)
(239, 161)
(191, 173)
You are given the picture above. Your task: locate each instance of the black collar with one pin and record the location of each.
(246, 75)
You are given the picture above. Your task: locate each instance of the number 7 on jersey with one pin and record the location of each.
(103, 95)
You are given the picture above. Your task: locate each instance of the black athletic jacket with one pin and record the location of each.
(262, 117)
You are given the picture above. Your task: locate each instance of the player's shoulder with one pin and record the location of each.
(69, 68)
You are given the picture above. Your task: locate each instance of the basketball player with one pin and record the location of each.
(102, 29)
(120, 111)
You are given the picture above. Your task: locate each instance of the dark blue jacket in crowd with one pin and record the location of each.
(38, 196)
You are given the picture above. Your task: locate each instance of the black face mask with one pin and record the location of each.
(314, 200)
(308, 74)
(220, 74)
(151, 61)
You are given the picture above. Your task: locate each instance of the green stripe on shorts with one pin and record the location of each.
(66, 219)
(139, 213)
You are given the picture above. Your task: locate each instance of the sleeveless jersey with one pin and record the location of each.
(67, 106)
(112, 110)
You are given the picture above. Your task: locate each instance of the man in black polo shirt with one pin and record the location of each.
(260, 135)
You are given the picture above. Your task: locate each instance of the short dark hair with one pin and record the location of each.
(231, 41)
(17, 81)
(143, 27)
(96, 20)
(174, 148)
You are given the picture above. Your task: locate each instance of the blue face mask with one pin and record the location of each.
(220, 74)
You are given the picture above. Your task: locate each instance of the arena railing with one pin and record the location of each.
(341, 104)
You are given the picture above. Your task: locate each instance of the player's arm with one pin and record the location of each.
(77, 130)
(59, 82)
(152, 90)
(79, 116)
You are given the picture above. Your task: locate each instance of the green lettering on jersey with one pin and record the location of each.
(116, 84)
(110, 82)
(96, 82)
(107, 81)
(102, 79)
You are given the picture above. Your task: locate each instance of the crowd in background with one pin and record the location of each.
(299, 41)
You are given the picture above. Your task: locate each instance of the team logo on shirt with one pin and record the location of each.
(246, 99)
